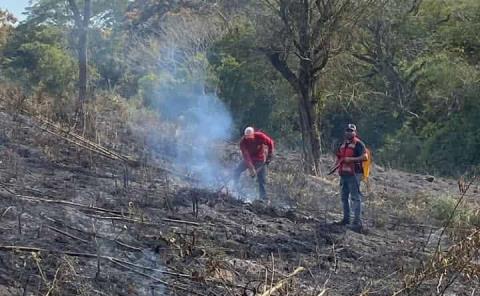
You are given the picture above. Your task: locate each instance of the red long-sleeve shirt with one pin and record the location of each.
(253, 149)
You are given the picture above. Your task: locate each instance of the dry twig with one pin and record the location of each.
(281, 283)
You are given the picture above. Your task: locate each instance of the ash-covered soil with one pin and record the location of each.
(75, 223)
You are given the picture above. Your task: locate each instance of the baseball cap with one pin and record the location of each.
(249, 132)
(351, 127)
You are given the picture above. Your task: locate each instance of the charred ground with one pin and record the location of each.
(74, 222)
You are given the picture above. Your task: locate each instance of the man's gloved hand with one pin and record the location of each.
(252, 172)
(269, 159)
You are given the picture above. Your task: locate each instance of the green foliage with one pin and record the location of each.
(347, 99)
(445, 138)
(434, 53)
(252, 89)
(39, 57)
(460, 25)
(7, 20)
(107, 56)
(458, 136)
(401, 149)
(105, 13)
(443, 209)
(177, 79)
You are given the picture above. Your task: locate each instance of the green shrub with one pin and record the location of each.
(442, 208)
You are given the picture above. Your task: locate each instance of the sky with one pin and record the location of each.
(15, 6)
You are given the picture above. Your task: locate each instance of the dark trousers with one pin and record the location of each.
(261, 169)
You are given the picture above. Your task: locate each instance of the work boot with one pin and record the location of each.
(357, 227)
(342, 222)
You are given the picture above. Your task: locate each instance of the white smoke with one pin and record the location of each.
(201, 122)
(188, 104)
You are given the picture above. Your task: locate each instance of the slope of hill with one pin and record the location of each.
(74, 222)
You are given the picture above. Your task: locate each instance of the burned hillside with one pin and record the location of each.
(218, 147)
(117, 218)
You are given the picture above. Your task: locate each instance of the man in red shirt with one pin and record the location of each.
(252, 146)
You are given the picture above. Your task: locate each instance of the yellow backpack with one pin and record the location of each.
(366, 164)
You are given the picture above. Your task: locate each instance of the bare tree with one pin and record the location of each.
(304, 35)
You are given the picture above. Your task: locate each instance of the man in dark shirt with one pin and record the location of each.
(350, 156)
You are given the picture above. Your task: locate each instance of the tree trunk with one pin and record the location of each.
(82, 53)
(305, 88)
(306, 83)
(82, 66)
(310, 131)
(81, 24)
